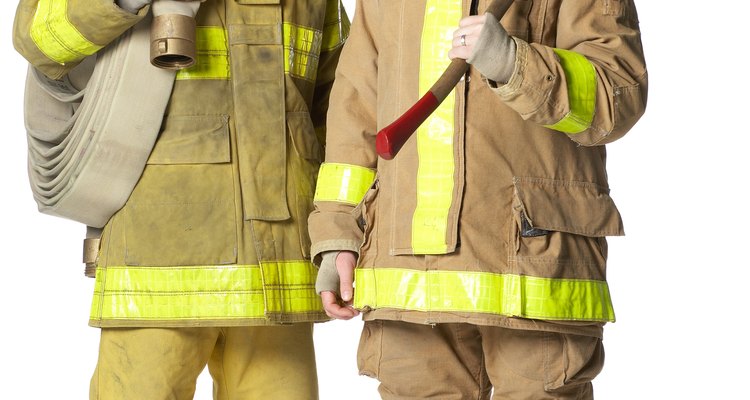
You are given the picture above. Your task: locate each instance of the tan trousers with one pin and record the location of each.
(263, 362)
(463, 361)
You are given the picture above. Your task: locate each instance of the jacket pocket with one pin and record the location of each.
(560, 228)
(364, 213)
(182, 211)
(192, 140)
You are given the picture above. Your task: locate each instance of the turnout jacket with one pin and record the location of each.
(497, 209)
(215, 231)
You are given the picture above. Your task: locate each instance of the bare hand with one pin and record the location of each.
(341, 307)
(466, 36)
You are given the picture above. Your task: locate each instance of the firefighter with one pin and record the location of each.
(479, 251)
(208, 262)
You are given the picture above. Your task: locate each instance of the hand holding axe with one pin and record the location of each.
(390, 139)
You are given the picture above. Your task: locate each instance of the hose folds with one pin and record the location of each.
(87, 148)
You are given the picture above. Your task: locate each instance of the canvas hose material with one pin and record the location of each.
(87, 148)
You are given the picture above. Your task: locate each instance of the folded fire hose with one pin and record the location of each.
(87, 149)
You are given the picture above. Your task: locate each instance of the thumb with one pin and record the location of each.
(345, 265)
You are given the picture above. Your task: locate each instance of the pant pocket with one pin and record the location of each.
(577, 360)
(369, 352)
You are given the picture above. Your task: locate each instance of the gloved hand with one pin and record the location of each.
(132, 6)
(494, 53)
(335, 283)
(186, 8)
(328, 276)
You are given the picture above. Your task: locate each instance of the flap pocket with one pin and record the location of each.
(171, 234)
(200, 139)
(581, 208)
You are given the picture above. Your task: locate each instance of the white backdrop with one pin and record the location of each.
(679, 278)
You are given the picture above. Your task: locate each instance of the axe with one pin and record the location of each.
(390, 139)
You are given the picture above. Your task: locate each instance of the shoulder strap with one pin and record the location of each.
(87, 149)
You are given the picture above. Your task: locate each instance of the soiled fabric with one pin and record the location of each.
(158, 363)
(214, 232)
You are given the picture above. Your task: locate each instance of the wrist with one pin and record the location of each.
(494, 54)
(328, 275)
(132, 6)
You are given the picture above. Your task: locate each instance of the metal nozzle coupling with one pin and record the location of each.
(90, 254)
(173, 41)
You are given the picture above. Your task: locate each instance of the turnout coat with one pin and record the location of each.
(215, 231)
(497, 209)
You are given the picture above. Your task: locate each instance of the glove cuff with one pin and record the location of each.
(328, 275)
(132, 6)
(494, 54)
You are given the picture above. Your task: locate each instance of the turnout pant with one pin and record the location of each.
(463, 361)
(258, 362)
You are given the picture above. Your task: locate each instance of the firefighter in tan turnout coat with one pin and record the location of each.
(480, 248)
(208, 262)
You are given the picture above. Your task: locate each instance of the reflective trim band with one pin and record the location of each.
(482, 292)
(343, 183)
(336, 27)
(204, 292)
(212, 55)
(581, 79)
(56, 36)
(290, 287)
(301, 51)
(435, 136)
(302, 48)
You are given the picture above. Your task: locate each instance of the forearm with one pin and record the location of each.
(591, 85)
(56, 35)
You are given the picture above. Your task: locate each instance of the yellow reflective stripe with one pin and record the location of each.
(301, 51)
(302, 46)
(56, 36)
(178, 292)
(581, 83)
(336, 27)
(435, 135)
(204, 292)
(212, 55)
(343, 183)
(482, 292)
(290, 287)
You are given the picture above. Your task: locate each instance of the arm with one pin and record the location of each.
(56, 35)
(592, 85)
(350, 146)
(335, 283)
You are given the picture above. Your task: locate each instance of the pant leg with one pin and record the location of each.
(414, 361)
(533, 365)
(150, 363)
(265, 362)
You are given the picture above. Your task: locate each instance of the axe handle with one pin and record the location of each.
(390, 139)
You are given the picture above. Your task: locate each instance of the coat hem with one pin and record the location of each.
(594, 329)
(212, 323)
